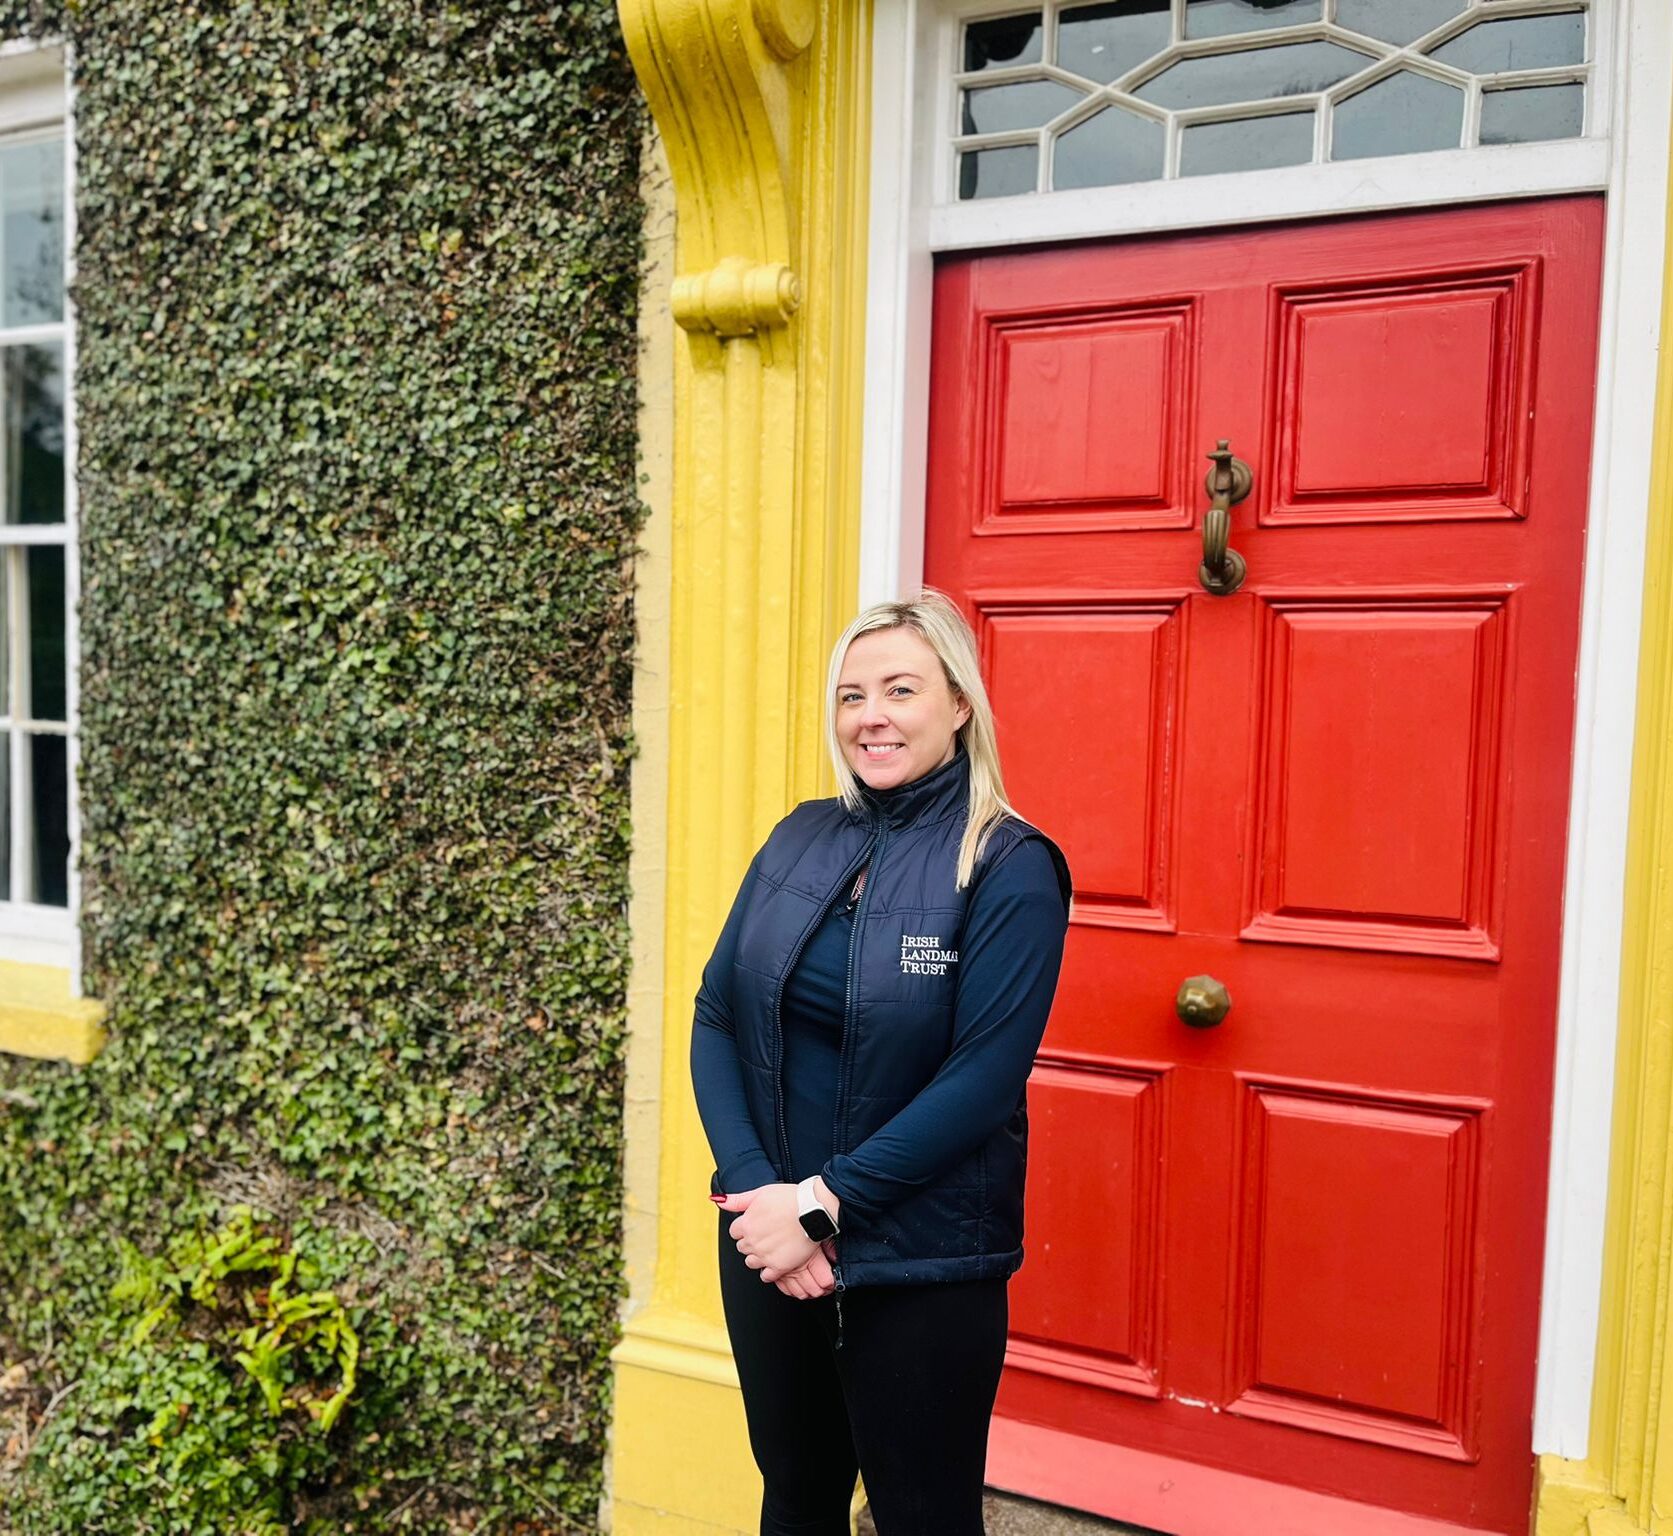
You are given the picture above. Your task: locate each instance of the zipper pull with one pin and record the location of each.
(836, 1271)
(858, 886)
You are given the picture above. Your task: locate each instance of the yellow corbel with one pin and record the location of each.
(717, 76)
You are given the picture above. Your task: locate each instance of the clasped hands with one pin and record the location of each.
(769, 1235)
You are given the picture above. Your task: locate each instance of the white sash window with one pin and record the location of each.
(37, 547)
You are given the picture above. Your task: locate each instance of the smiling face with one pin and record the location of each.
(896, 716)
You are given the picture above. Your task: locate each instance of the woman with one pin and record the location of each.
(863, 1035)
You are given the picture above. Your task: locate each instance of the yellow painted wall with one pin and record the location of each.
(752, 324)
(648, 866)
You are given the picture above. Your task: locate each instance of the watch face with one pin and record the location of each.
(818, 1225)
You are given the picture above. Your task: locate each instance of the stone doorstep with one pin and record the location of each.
(1005, 1514)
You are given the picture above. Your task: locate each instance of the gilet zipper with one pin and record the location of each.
(837, 1137)
(838, 1127)
(778, 1004)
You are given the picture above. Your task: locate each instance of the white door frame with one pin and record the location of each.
(1626, 156)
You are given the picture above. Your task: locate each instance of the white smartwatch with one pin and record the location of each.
(816, 1220)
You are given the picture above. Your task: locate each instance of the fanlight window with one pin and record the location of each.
(1063, 96)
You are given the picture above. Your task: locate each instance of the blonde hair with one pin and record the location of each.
(936, 619)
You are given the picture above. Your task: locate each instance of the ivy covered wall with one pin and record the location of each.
(355, 388)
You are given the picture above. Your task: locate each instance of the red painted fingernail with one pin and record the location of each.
(718, 1199)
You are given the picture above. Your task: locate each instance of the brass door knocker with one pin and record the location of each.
(1223, 569)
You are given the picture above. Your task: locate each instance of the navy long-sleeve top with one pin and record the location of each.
(815, 995)
(1009, 950)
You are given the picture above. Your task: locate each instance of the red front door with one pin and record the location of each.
(1293, 1257)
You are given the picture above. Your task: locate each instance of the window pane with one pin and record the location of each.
(1533, 113)
(1220, 18)
(6, 559)
(50, 817)
(1004, 40)
(1523, 42)
(32, 448)
(1396, 21)
(32, 232)
(1291, 69)
(5, 815)
(46, 632)
(1103, 41)
(1024, 104)
(1251, 144)
(998, 172)
(1111, 147)
(1401, 114)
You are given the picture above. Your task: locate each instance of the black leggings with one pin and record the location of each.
(906, 1400)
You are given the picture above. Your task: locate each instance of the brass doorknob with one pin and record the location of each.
(1202, 1001)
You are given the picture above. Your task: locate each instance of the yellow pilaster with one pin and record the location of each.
(1625, 1484)
(760, 110)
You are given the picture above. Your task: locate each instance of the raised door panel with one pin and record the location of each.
(1357, 1253)
(1402, 400)
(1084, 1306)
(1087, 699)
(1084, 417)
(1379, 796)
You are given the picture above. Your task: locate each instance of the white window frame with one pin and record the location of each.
(1624, 154)
(35, 99)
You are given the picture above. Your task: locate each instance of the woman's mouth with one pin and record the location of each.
(876, 752)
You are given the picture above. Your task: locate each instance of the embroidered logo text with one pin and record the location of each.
(921, 954)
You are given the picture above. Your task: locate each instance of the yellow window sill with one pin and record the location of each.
(39, 1017)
